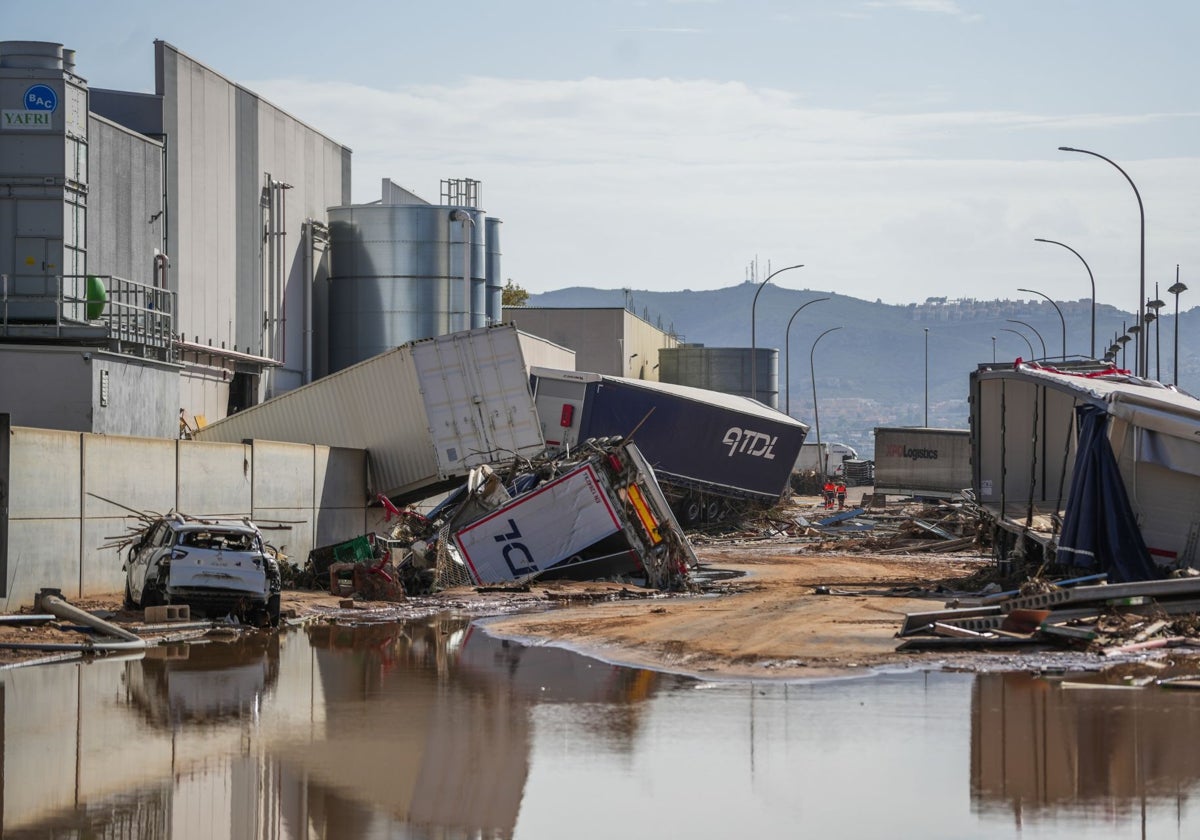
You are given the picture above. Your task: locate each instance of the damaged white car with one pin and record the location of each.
(216, 568)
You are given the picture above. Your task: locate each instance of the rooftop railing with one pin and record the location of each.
(127, 316)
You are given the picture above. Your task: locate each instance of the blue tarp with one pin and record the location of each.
(1100, 531)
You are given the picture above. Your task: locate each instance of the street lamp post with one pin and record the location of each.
(1135, 330)
(1140, 357)
(926, 377)
(1024, 337)
(1060, 317)
(993, 349)
(1157, 304)
(787, 354)
(1035, 332)
(1177, 290)
(812, 371)
(1093, 281)
(753, 342)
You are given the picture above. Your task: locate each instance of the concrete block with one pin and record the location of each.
(167, 613)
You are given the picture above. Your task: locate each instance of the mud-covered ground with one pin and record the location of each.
(788, 606)
(792, 614)
(768, 620)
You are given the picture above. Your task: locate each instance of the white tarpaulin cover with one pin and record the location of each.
(539, 529)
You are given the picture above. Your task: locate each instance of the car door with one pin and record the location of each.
(139, 563)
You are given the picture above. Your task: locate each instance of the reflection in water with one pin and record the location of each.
(1037, 747)
(201, 684)
(339, 731)
(434, 729)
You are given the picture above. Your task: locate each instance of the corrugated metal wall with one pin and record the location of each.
(125, 202)
(225, 142)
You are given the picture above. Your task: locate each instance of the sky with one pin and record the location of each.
(898, 149)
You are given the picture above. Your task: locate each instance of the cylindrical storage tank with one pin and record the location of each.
(396, 275)
(724, 369)
(495, 280)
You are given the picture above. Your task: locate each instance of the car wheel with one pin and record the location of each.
(152, 594)
(273, 610)
(130, 604)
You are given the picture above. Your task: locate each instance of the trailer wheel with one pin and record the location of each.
(692, 511)
(713, 511)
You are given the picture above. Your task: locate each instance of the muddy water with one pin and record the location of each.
(433, 729)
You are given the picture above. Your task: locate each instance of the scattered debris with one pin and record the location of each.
(1110, 620)
(595, 514)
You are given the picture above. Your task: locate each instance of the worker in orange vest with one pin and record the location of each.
(841, 495)
(829, 491)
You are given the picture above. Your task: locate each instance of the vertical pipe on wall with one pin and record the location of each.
(465, 217)
(283, 271)
(308, 244)
(268, 254)
(5, 444)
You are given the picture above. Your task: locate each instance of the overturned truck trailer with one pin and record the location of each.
(713, 453)
(1088, 468)
(604, 516)
(426, 412)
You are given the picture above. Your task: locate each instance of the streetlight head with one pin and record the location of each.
(1155, 304)
(1124, 339)
(1177, 288)
(1067, 149)
(1136, 328)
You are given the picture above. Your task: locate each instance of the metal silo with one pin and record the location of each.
(723, 369)
(495, 280)
(397, 275)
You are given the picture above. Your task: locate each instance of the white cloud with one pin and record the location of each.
(664, 183)
(941, 7)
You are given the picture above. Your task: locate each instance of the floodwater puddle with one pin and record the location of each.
(434, 728)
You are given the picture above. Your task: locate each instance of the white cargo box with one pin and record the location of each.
(426, 412)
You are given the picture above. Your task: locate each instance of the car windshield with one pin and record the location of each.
(218, 541)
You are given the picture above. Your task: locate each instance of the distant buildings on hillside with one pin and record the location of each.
(970, 309)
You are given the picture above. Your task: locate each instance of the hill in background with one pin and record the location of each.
(872, 371)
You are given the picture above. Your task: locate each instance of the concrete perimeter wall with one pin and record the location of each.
(70, 495)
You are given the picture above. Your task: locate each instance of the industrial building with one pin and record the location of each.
(169, 258)
(607, 340)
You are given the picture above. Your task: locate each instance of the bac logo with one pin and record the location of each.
(41, 98)
(756, 444)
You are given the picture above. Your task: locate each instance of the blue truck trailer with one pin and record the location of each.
(714, 454)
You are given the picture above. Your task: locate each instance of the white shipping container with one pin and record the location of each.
(426, 412)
